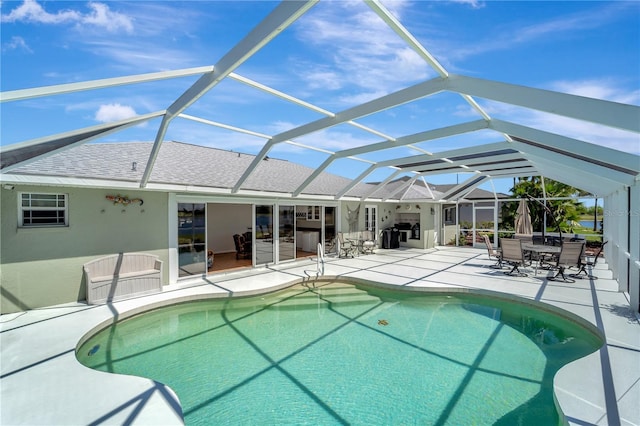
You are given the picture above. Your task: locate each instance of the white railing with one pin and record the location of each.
(319, 263)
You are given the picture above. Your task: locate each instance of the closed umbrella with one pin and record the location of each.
(523, 219)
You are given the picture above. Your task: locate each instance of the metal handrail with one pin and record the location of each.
(319, 263)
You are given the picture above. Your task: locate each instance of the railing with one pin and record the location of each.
(319, 263)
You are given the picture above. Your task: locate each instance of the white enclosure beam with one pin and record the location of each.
(16, 155)
(224, 126)
(401, 141)
(399, 29)
(459, 191)
(473, 150)
(381, 185)
(564, 169)
(427, 135)
(302, 103)
(286, 13)
(354, 182)
(404, 186)
(17, 95)
(581, 180)
(417, 47)
(392, 100)
(594, 154)
(613, 114)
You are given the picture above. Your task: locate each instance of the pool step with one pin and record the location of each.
(337, 296)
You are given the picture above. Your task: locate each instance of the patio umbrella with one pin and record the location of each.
(523, 219)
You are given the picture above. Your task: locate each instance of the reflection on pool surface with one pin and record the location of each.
(341, 354)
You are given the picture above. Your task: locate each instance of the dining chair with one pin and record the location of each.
(345, 247)
(589, 263)
(493, 253)
(570, 257)
(513, 254)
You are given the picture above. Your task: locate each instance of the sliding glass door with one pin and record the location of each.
(286, 233)
(263, 234)
(329, 229)
(191, 239)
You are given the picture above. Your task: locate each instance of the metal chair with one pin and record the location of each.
(570, 257)
(493, 254)
(585, 262)
(513, 254)
(345, 248)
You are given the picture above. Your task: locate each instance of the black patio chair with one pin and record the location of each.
(589, 263)
(243, 247)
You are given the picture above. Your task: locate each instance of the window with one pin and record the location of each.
(450, 215)
(313, 213)
(43, 210)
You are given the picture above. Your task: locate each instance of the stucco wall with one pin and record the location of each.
(390, 214)
(43, 266)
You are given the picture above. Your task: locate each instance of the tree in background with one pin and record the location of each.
(565, 212)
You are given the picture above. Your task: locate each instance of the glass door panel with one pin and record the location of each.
(191, 239)
(263, 234)
(329, 229)
(286, 233)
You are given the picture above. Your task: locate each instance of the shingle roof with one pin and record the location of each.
(184, 164)
(193, 165)
(474, 194)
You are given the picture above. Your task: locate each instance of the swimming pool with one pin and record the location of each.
(344, 354)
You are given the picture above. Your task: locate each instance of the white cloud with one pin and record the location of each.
(100, 16)
(114, 112)
(16, 43)
(577, 129)
(31, 11)
(357, 50)
(605, 89)
(475, 4)
(509, 37)
(140, 55)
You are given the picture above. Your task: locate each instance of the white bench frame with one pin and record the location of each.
(121, 276)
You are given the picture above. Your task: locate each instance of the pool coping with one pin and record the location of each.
(584, 397)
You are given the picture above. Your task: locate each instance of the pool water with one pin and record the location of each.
(341, 354)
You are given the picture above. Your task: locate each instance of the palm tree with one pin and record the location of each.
(564, 211)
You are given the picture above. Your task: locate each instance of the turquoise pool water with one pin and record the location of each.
(340, 354)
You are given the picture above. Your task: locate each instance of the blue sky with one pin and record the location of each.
(336, 56)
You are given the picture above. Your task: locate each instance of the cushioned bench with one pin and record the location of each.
(123, 275)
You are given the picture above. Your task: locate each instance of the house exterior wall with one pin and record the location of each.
(391, 213)
(43, 266)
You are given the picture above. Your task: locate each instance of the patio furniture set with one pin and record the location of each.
(352, 244)
(522, 251)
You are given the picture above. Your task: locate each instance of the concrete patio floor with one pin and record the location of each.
(42, 383)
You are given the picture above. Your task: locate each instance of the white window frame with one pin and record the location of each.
(61, 198)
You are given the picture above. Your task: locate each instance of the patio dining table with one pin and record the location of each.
(540, 250)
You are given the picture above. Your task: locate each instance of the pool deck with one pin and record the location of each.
(43, 384)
